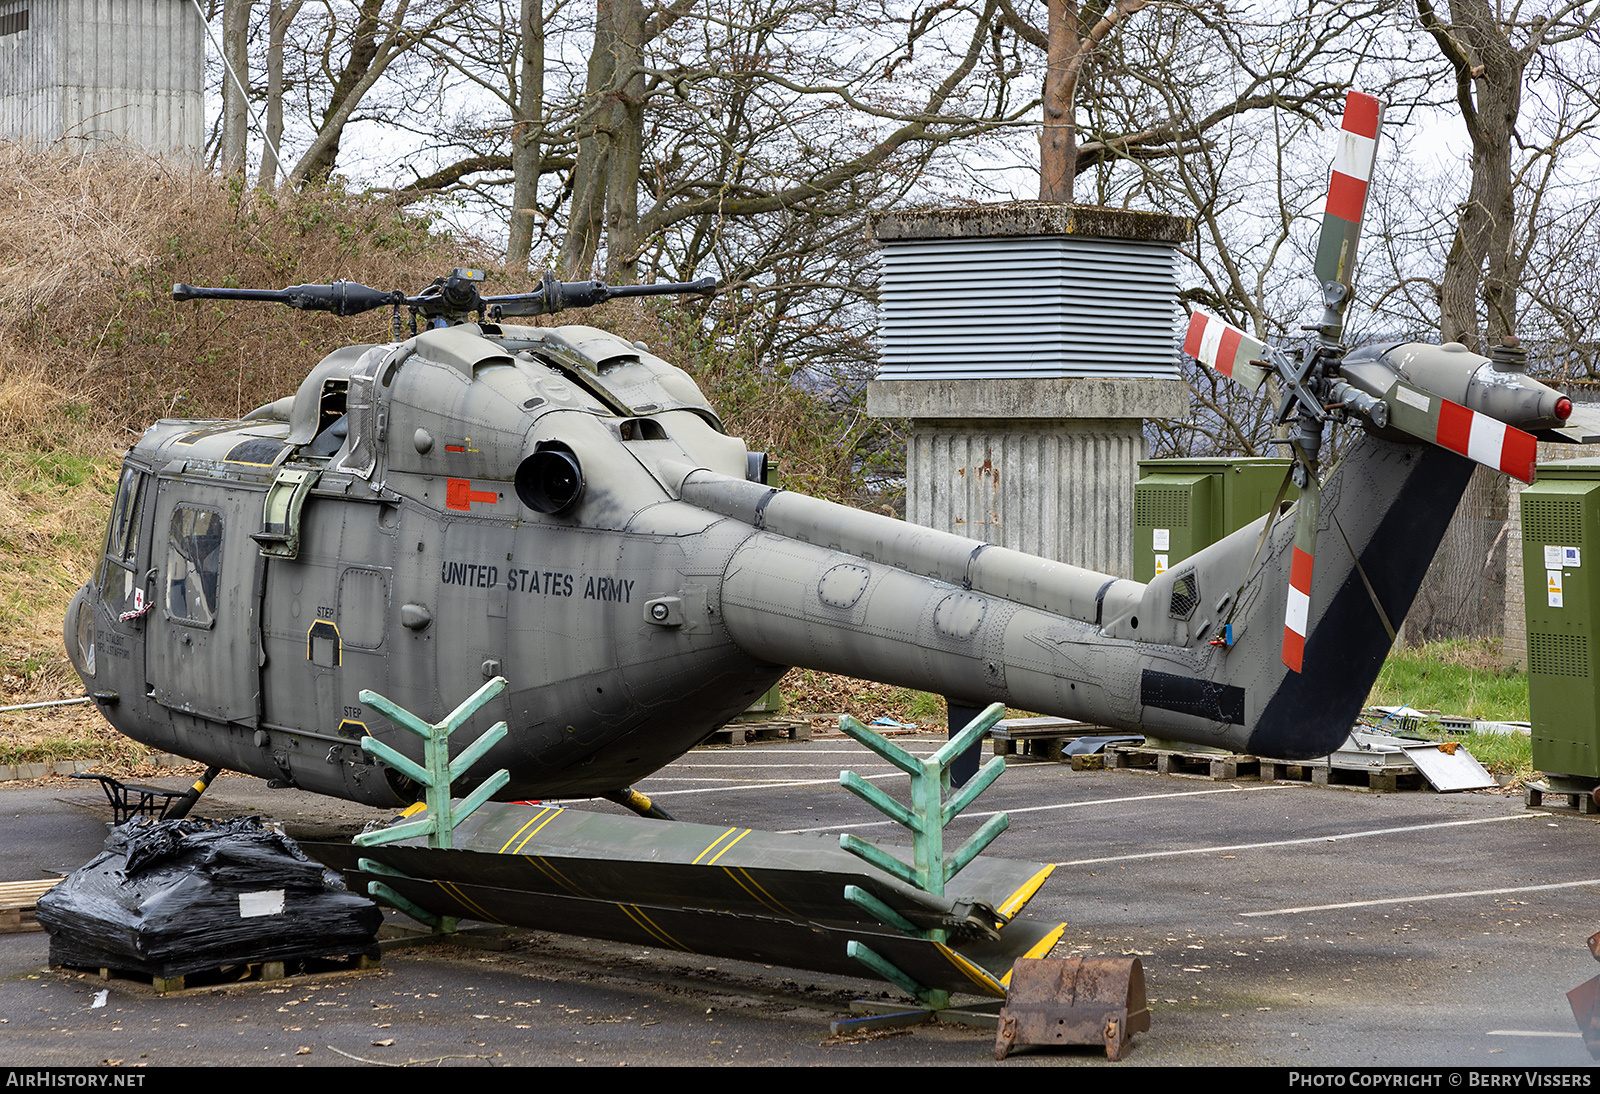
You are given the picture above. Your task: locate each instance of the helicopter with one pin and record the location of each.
(555, 505)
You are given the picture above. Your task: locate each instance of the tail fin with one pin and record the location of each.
(1384, 511)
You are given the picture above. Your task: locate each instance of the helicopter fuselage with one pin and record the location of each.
(417, 572)
(561, 508)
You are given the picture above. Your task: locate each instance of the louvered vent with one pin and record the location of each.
(1558, 654)
(1027, 307)
(1160, 507)
(1553, 520)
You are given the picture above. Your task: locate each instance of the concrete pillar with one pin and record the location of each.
(1052, 477)
(1027, 344)
(91, 71)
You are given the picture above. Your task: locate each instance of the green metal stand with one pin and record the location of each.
(435, 774)
(932, 807)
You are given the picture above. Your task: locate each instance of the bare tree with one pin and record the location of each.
(1489, 53)
(235, 85)
(711, 87)
(527, 127)
(1071, 36)
(355, 56)
(279, 16)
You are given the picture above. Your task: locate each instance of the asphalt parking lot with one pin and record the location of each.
(1278, 924)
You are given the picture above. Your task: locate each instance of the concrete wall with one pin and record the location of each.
(1045, 466)
(1058, 489)
(98, 70)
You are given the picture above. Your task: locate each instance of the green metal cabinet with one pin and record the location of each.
(1182, 505)
(1560, 551)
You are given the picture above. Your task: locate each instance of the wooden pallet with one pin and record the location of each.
(1230, 766)
(1385, 779)
(18, 899)
(1534, 796)
(252, 972)
(762, 729)
(1201, 765)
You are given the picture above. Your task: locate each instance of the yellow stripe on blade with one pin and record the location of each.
(979, 977)
(1015, 902)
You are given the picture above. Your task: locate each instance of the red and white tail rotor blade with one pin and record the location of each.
(1225, 348)
(1476, 436)
(1347, 189)
(1297, 613)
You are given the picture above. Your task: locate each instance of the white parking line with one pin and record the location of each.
(1425, 897)
(859, 750)
(1059, 805)
(1531, 1033)
(1292, 842)
(725, 767)
(759, 786)
(656, 780)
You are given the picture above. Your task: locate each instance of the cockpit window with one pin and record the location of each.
(119, 589)
(123, 538)
(194, 565)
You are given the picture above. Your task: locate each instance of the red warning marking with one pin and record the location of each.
(1294, 650)
(459, 494)
(1361, 112)
(1347, 196)
(455, 448)
(1300, 571)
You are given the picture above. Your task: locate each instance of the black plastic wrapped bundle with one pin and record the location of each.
(169, 898)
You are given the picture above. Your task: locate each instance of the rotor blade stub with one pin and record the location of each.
(1347, 188)
(1476, 436)
(1225, 348)
(1297, 613)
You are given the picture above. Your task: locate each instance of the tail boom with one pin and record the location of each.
(1143, 660)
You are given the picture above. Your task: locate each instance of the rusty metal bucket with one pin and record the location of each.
(1073, 1001)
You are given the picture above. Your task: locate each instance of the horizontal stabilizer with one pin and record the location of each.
(1583, 427)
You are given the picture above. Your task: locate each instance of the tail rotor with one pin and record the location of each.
(1320, 386)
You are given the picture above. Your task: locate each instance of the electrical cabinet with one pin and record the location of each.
(1560, 551)
(1182, 505)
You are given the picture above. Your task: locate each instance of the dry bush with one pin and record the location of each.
(90, 246)
(93, 349)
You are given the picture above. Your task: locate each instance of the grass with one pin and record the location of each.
(58, 471)
(1464, 678)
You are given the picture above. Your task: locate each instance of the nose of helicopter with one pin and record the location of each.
(78, 633)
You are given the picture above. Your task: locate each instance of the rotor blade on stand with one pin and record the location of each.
(1347, 191)
(1224, 348)
(1450, 425)
(1297, 613)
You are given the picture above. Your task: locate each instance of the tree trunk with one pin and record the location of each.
(586, 220)
(278, 20)
(1058, 140)
(627, 144)
(1489, 74)
(235, 108)
(526, 130)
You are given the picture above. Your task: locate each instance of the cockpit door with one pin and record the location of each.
(202, 642)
